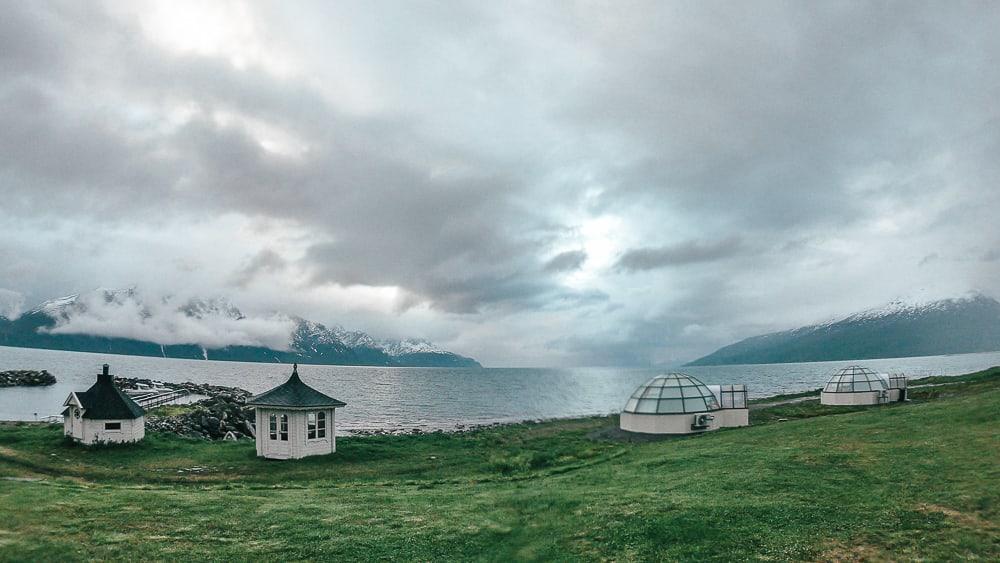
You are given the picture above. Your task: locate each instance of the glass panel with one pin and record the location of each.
(845, 387)
(862, 386)
(671, 382)
(284, 428)
(740, 400)
(646, 406)
(671, 406)
(651, 393)
(630, 405)
(273, 424)
(311, 425)
(671, 393)
(695, 405)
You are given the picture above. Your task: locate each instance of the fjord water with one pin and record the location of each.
(436, 398)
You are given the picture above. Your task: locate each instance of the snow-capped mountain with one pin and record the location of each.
(898, 329)
(409, 346)
(315, 338)
(125, 322)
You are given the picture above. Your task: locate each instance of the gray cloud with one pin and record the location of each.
(437, 163)
(564, 261)
(265, 261)
(689, 252)
(11, 304)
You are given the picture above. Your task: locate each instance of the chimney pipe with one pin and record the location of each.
(105, 375)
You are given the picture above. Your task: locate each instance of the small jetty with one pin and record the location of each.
(150, 397)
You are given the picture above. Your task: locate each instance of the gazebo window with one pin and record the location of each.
(273, 426)
(311, 425)
(112, 426)
(284, 428)
(321, 424)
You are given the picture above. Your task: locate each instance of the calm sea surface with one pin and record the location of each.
(435, 398)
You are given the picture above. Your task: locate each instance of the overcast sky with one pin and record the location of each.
(536, 183)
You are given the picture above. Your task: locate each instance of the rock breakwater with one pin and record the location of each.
(26, 378)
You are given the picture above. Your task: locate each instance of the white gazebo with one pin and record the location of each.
(294, 420)
(103, 414)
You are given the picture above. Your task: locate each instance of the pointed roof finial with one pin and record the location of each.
(295, 368)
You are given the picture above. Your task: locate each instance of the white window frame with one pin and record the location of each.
(283, 428)
(272, 426)
(321, 425)
(311, 420)
(107, 429)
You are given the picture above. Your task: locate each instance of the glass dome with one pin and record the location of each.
(674, 393)
(854, 379)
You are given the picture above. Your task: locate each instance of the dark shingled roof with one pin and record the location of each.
(294, 393)
(104, 401)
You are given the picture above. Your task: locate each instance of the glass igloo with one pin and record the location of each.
(673, 393)
(856, 385)
(855, 379)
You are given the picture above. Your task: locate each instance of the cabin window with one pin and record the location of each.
(273, 426)
(112, 426)
(284, 428)
(311, 425)
(321, 424)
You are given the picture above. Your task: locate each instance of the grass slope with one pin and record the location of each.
(913, 481)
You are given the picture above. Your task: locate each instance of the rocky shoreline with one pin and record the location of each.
(223, 414)
(26, 378)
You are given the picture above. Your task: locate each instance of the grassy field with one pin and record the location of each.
(806, 482)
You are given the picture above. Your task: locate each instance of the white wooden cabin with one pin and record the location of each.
(294, 420)
(103, 414)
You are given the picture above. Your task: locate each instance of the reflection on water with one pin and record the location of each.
(432, 398)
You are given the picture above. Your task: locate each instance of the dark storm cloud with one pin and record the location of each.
(564, 261)
(689, 252)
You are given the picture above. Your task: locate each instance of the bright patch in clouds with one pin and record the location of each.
(226, 29)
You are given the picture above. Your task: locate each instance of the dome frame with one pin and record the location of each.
(855, 379)
(672, 394)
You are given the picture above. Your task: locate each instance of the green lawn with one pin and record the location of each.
(912, 481)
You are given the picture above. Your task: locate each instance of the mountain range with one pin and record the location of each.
(123, 322)
(899, 329)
